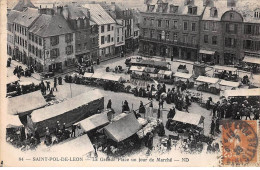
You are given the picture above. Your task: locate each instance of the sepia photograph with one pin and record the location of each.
(127, 83)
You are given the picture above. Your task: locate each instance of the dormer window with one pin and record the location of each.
(173, 9)
(231, 16)
(192, 10)
(257, 13)
(213, 12)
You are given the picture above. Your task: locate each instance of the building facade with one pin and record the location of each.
(11, 32)
(171, 29)
(22, 24)
(106, 29)
(230, 32)
(51, 42)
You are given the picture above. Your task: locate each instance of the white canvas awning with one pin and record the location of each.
(88, 75)
(190, 118)
(253, 60)
(93, 122)
(207, 79)
(137, 68)
(25, 103)
(164, 72)
(79, 146)
(97, 75)
(11, 79)
(233, 69)
(182, 75)
(228, 83)
(112, 77)
(25, 83)
(242, 92)
(207, 52)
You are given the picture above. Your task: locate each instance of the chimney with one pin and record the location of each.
(47, 11)
(231, 3)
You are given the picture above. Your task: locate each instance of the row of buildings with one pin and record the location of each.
(54, 38)
(214, 31)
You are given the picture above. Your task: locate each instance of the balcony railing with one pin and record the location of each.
(172, 42)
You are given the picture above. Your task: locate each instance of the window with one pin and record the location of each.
(69, 50)
(152, 34)
(108, 27)
(159, 23)
(257, 14)
(152, 22)
(167, 23)
(185, 38)
(93, 40)
(30, 48)
(175, 37)
(112, 39)
(144, 21)
(193, 40)
(190, 10)
(55, 53)
(231, 16)
(108, 38)
(145, 32)
(25, 44)
(214, 40)
(30, 36)
(214, 26)
(122, 38)
(185, 25)
(40, 53)
(40, 41)
(33, 49)
(248, 29)
(68, 38)
(231, 28)
(230, 42)
(175, 24)
(193, 26)
(206, 25)
(102, 40)
(167, 35)
(54, 40)
(36, 52)
(36, 39)
(78, 23)
(206, 38)
(25, 32)
(102, 28)
(33, 37)
(118, 39)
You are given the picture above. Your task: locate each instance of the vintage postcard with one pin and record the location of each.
(130, 83)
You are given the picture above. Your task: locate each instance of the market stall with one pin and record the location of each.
(130, 125)
(252, 64)
(208, 84)
(181, 78)
(226, 73)
(12, 79)
(25, 104)
(165, 76)
(70, 111)
(224, 85)
(93, 122)
(242, 92)
(121, 135)
(80, 146)
(137, 69)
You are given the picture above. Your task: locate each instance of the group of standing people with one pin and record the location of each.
(44, 88)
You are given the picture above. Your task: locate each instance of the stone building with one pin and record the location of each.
(51, 42)
(171, 28)
(230, 32)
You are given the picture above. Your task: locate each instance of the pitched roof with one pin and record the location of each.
(22, 4)
(50, 25)
(27, 17)
(76, 11)
(13, 14)
(99, 15)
